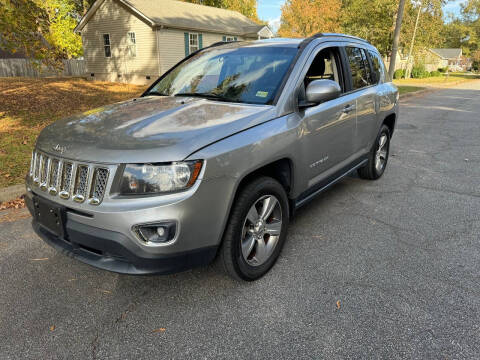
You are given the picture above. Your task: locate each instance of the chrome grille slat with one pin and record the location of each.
(44, 172)
(69, 179)
(32, 163)
(36, 171)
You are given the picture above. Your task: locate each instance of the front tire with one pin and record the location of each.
(378, 156)
(256, 230)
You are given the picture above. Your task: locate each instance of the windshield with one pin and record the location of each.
(245, 74)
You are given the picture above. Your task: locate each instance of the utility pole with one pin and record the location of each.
(409, 68)
(396, 38)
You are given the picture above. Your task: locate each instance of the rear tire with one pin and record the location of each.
(256, 230)
(378, 156)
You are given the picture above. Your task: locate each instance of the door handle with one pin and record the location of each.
(349, 108)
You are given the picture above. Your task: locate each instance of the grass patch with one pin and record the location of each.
(402, 89)
(28, 105)
(437, 81)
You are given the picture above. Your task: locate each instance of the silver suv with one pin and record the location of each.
(214, 158)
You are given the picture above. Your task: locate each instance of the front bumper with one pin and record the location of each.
(110, 250)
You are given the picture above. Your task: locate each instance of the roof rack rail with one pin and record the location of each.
(321, 35)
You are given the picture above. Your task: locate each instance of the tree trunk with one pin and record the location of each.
(396, 38)
(410, 62)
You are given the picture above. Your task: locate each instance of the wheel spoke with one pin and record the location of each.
(261, 251)
(273, 229)
(269, 204)
(378, 163)
(247, 245)
(382, 142)
(252, 215)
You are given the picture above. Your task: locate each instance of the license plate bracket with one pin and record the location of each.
(49, 215)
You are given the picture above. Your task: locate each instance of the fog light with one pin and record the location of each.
(161, 231)
(156, 233)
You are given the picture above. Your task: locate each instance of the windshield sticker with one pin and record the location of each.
(262, 94)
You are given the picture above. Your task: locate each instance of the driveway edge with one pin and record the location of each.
(11, 192)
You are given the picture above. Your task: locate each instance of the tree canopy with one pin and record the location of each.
(301, 18)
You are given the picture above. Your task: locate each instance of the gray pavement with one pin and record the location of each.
(401, 256)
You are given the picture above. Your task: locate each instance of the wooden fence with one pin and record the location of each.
(24, 68)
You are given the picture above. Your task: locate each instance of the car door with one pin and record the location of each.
(363, 87)
(328, 128)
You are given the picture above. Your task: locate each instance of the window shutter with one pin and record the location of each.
(235, 38)
(224, 39)
(187, 44)
(200, 41)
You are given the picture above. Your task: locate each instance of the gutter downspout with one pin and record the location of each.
(157, 29)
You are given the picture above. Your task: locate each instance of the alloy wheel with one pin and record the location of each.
(261, 230)
(382, 152)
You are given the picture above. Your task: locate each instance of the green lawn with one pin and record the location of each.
(407, 89)
(28, 105)
(437, 81)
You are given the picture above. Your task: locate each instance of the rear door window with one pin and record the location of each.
(359, 67)
(378, 67)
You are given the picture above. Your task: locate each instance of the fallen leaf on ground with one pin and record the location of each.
(106, 291)
(338, 304)
(39, 259)
(159, 330)
(52, 327)
(13, 204)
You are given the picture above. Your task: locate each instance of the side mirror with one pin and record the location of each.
(322, 90)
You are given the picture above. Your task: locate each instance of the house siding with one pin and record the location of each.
(172, 45)
(114, 19)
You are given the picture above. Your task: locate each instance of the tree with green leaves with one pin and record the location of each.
(373, 20)
(62, 21)
(24, 25)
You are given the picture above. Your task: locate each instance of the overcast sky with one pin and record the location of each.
(270, 10)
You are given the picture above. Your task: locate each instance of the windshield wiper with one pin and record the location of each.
(206, 96)
(156, 93)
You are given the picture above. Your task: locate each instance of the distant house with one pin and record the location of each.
(442, 58)
(138, 40)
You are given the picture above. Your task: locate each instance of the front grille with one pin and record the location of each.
(100, 177)
(54, 172)
(67, 172)
(81, 182)
(69, 179)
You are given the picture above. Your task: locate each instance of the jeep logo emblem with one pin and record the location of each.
(59, 148)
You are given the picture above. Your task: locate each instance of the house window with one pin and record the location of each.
(106, 45)
(132, 44)
(193, 42)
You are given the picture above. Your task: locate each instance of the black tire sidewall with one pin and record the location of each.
(383, 130)
(249, 195)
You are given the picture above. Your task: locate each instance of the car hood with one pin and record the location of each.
(148, 129)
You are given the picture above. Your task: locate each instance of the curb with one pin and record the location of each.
(11, 192)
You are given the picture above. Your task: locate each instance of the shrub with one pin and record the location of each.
(442, 69)
(398, 74)
(436, 73)
(419, 72)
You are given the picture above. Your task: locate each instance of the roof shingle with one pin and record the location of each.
(179, 14)
(448, 53)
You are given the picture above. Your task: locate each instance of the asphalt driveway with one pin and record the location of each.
(385, 269)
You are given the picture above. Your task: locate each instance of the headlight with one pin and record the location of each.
(159, 178)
